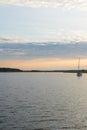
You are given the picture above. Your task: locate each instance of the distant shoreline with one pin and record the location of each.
(19, 70)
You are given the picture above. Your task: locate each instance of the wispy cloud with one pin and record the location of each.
(81, 4)
(68, 36)
(62, 36)
(12, 39)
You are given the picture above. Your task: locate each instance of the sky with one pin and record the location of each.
(43, 34)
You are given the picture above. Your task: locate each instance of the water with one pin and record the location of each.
(43, 101)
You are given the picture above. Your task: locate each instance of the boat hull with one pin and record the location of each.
(79, 74)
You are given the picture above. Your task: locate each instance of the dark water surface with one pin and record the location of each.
(43, 101)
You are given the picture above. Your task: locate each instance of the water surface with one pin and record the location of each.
(43, 101)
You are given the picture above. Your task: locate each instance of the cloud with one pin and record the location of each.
(12, 39)
(48, 50)
(68, 36)
(81, 4)
(66, 45)
(61, 36)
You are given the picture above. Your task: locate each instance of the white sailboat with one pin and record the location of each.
(79, 73)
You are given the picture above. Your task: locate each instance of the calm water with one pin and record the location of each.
(43, 101)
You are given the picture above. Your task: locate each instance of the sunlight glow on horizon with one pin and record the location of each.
(44, 64)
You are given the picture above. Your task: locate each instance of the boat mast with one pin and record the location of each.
(79, 64)
(79, 73)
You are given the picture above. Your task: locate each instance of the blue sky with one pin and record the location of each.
(32, 29)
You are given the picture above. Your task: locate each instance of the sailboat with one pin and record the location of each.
(79, 73)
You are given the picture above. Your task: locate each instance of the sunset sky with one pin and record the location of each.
(43, 34)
